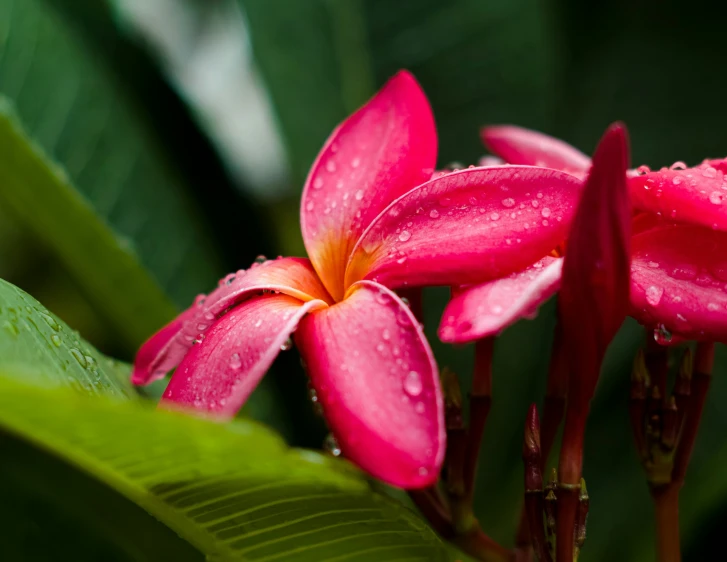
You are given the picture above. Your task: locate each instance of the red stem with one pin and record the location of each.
(666, 504)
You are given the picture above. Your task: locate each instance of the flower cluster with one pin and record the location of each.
(376, 218)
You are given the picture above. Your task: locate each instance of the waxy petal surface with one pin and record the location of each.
(485, 310)
(516, 145)
(679, 281)
(594, 294)
(291, 276)
(467, 227)
(160, 349)
(380, 152)
(378, 384)
(219, 373)
(695, 195)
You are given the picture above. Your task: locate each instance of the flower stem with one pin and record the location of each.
(666, 505)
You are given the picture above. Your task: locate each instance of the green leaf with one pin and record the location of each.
(84, 119)
(234, 491)
(38, 347)
(40, 194)
(477, 61)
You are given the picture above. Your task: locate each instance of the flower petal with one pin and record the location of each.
(695, 195)
(381, 151)
(679, 280)
(378, 384)
(160, 349)
(467, 227)
(523, 146)
(218, 374)
(485, 310)
(164, 351)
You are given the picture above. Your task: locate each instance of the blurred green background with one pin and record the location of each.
(190, 125)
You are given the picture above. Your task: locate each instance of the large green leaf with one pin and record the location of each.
(234, 491)
(84, 118)
(40, 194)
(38, 347)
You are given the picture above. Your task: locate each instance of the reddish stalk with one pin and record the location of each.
(666, 505)
(480, 403)
(569, 473)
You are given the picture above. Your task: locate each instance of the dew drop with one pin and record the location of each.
(494, 216)
(713, 307)
(331, 166)
(286, 345)
(50, 321)
(355, 162)
(641, 170)
(331, 445)
(404, 236)
(235, 362)
(317, 183)
(434, 213)
(678, 166)
(662, 336)
(545, 212)
(261, 259)
(509, 202)
(413, 383)
(78, 356)
(715, 198)
(359, 195)
(309, 206)
(709, 172)
(419, 407)
(654, 294)
(56, 340)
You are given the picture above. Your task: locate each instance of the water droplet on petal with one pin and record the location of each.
(404, 236)
(331, 166)
(494, 216)
(235, 362)
(286, 345)
(715, 198)
(654, 294)
(545, 212)
(261, 259)
(359, 195)
(419, 407)
(678, 166)
(78, 356)
(355, 162)
(509, 202)
(641, 170)
(434, 214)
(309, 206)
(317, 183)
(413, 383)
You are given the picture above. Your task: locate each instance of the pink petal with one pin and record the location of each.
(696, 195)
(485, 310)
(378, 384)
(679, 281)
(381, 151)
(160, 349)
(467, 227)
(290, 276)
(643, 221)
(218, 374)
(523, 146)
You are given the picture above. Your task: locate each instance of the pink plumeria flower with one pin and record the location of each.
(371, 222)
(678, 269)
